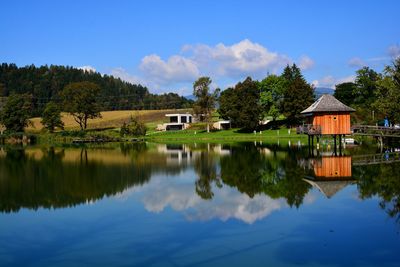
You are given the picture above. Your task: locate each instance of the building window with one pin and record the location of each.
(334, 118)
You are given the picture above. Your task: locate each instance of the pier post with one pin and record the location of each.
(312, 141)
(334, 144)
(380, 141)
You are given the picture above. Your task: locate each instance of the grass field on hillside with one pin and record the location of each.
(113, 119)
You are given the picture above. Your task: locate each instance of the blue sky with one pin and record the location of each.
(165, 45)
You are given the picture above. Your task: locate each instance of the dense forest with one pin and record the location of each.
(45, 83)
(275, 96)
(373, 95)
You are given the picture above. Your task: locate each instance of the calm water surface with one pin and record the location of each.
(198, 205)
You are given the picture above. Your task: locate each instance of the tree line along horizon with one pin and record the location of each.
(46, 91)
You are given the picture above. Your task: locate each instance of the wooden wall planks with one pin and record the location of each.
(333, 123)
(333, 167)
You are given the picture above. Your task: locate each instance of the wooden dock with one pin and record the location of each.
(371, 159)
(376, 131)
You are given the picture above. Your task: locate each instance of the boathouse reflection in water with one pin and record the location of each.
(331, 174)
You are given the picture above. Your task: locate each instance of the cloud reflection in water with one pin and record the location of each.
(179, 194)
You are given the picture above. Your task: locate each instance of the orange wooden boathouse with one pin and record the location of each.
(327, 116)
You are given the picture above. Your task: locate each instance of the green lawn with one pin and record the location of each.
(225, 135)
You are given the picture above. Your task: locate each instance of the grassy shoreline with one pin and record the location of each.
(280, 137)
(184, 136)
(223, 135)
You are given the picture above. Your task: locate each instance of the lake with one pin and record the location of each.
(242, 204)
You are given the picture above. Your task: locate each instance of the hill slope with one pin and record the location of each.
(45, 83)
(112, 119)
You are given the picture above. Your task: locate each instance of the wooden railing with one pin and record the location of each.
(378, 131)
(309, 129)
(387, 157)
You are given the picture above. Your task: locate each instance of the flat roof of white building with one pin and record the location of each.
(178, 114)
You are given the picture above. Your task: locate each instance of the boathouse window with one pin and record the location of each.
(334, 118)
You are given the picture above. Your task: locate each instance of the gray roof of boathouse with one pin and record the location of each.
(327, 103)
(329, 188)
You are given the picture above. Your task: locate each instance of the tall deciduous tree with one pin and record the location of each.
(51, 117)
(16, 112)
(298, 95)
(344, 92)
(272, 90)
(388, 93)
(205, 99)
(366, 86)
(81, 101)
(229, 106)
(364, 94)
(241, 105)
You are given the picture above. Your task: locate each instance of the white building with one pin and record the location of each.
(176, 122)
(222, 125)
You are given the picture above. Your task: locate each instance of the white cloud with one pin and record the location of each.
(152, 86)
(236, 61)
(315, 83)
(394, 51)
(346, 79)
(221, 62)
(326, 81)
(357, 62)
(330, 81)
(124, 75)
(175, 70)
(306, 63)
(310, 198)
(87, 68)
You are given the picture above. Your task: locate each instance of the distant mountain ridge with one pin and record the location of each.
(190, 97)
(323, 90)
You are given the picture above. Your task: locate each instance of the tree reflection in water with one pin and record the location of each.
(205, 165)
(275, 174)
(54, 178)
(381, 180)
(58, 177)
